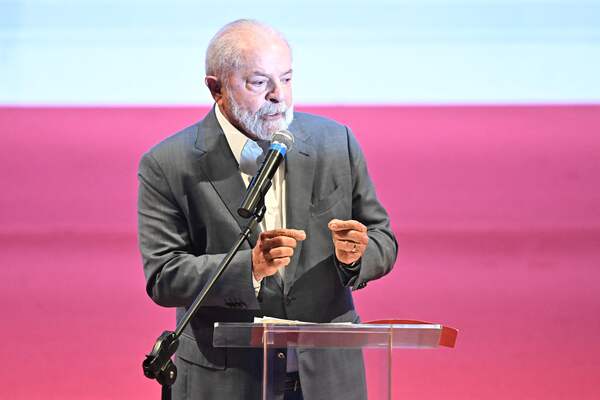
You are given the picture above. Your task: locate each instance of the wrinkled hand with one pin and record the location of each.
(350, 239)
(274, 250)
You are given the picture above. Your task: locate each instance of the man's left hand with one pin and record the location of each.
(350, 239)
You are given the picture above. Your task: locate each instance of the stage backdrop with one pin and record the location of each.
(480, 122)
(496, 209)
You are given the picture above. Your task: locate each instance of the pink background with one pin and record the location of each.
(496, 209)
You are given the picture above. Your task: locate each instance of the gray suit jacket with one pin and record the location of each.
(190, 188)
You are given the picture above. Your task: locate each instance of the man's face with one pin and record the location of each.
(257, 98)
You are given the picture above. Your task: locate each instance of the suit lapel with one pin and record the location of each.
(300, 168)
(221, 169)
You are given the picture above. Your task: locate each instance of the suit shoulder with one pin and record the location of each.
(321, 130)
(174, 146)
(312, 121)
(324, 130)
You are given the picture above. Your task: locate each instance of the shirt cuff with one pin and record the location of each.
(354, 267)
(348, 272)
(255, 284)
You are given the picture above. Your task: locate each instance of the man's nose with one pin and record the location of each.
(275, 95)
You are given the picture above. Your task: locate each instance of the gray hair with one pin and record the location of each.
(224, 53)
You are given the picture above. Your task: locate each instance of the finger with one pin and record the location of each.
(336, 225)
(279, 241)
(274, 267)
(293, 233)
(279, 262)
(349, 247)
(352, 236)
(347, 258)
(280, 252)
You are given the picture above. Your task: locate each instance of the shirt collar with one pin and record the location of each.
(235, 138)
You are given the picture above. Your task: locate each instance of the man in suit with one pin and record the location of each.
(324, 233)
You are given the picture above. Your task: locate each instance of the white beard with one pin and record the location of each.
(254, 124)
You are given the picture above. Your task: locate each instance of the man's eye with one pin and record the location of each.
(287, 80)
(258, 83)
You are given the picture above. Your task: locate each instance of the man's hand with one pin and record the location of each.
(274, 250)
(349, 238)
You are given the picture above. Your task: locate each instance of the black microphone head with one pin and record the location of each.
(283, 137)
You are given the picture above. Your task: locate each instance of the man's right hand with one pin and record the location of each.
(274, 250)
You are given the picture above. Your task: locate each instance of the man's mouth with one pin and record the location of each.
(273, 116)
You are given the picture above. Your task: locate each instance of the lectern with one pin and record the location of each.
(382, 336)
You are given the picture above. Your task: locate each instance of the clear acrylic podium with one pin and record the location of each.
(376, 339)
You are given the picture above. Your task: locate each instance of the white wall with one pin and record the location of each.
(377, 51)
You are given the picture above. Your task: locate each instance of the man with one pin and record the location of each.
(324, 231)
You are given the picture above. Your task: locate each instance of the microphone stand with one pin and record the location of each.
(158, 364)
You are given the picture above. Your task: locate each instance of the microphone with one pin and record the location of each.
(281, 143)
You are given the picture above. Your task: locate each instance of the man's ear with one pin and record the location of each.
(214, 85)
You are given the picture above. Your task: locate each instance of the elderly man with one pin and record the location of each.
(324, 232)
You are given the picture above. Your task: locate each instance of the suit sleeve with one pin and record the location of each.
(174, 274)
(380, 254)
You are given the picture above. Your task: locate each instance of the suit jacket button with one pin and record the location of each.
(280, 355)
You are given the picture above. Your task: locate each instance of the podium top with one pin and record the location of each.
(381, 334)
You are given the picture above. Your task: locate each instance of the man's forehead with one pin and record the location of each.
(263, 72)
(264, 48)
(254, 38)
(266, 60)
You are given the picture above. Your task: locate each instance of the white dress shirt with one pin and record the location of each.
(274, 200)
